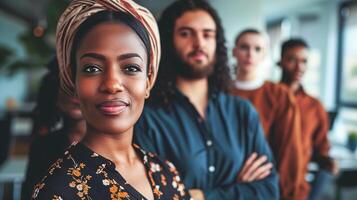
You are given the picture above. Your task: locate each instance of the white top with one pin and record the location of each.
(249, 85)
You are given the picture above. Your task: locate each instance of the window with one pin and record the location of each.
(347, 74)
(275, 34)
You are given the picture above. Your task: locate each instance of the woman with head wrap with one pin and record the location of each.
(108, 53)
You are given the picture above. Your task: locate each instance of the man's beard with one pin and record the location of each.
(188, 71)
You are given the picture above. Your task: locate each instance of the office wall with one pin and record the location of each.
(237, 15)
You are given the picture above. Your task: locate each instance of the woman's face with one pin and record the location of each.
(69, 106)
(249, 51)
(111, 78)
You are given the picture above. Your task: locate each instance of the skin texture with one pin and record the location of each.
(112, 84)
(255, 168)
(250, 51)
(195, 43)
(69, 106)
(294, 65)
(75, 123)
(105, 76)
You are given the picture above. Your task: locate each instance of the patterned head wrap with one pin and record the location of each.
(80, 10)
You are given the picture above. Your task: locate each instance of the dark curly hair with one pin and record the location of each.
(46, 113)
(165, 85)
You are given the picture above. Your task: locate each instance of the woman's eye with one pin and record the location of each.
(244, 47)
(91, 69)
(131, 69)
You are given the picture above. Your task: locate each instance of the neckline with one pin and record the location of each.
(87, 155)
(249, 85)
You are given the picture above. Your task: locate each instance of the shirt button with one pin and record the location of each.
(209, 142)
(211, 168)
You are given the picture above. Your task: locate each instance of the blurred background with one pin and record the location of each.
(329, 26)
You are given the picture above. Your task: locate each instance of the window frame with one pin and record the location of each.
(340, 48)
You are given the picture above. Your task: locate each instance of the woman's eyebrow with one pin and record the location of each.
(129, 55)
(93, 55)
(101, 57)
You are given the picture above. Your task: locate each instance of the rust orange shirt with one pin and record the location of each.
(315, 126)
(281, 120)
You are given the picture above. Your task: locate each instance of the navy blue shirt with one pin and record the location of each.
(210, 152)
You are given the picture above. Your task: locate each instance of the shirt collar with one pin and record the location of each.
(249, 85)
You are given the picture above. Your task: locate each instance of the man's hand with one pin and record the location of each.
(196, 194)
(255, 168)
(335, 168)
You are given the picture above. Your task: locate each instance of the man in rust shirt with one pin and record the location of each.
(314, 119)
(278, 111)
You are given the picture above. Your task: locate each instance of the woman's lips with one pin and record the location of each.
(113, 107)
(249, 62)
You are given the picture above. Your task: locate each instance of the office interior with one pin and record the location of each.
(329, 27)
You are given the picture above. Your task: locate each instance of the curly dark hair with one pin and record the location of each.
(165, 85)
(46, 113)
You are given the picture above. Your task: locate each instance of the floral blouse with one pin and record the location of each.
(84, 174)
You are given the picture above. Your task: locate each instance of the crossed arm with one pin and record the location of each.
(255, 168)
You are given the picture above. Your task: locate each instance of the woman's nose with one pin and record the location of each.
(112, 83)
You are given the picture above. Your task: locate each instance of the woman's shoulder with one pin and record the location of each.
(53, 183)
(62, 177)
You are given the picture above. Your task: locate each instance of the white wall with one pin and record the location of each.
(237, 15)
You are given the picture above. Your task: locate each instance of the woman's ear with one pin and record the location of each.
(147, 89)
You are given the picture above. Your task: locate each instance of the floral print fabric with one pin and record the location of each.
(83, 174)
